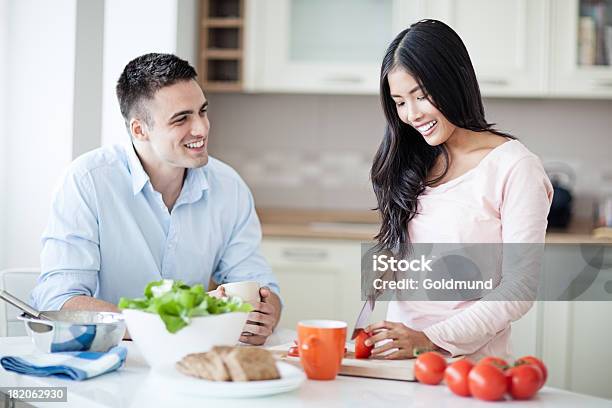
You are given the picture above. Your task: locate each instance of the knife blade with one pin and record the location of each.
(364, 316)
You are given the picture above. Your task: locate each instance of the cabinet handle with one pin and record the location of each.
(305, 254)
(344, 79)
(603, 83)
(496, 82)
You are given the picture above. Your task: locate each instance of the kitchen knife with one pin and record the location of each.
(364, 316)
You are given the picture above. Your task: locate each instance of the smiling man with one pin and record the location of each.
(156, 207)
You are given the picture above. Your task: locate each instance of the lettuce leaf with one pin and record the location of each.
(176, 303)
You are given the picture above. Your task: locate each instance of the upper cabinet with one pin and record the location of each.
(320, 45)
(581, 62)
(519, 48)
(506, 40)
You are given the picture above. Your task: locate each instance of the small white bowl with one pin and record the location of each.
(159, 346)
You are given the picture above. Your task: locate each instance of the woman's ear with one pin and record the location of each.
(138, 130)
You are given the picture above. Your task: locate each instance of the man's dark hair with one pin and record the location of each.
(145, 75)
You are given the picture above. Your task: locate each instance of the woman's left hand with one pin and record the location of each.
(402, 338)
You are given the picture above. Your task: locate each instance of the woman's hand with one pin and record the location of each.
(402, 338)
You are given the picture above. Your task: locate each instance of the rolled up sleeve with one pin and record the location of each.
(70, 257)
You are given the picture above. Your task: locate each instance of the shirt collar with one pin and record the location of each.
(200, 179)
(196, 180)
(139, 176)
(195, 184)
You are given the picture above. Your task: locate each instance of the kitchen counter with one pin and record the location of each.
(134, 385)
(364, 225)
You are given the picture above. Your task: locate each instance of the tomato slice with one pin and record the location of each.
(536, 361)
(487, 382)
(456, 377)
(524, 381)
(361, 350)
(429, 368)
(294, 351)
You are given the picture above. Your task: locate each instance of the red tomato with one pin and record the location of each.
(487, 382)
(536, 361)
(429, 368)
(456, 377)
(524, 381)
(294, 351)
(361, 350)
(496, 361)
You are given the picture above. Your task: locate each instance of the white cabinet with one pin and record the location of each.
(506, 40)
(581, 30)
(319, 279)
(337, 46)
(320, 45)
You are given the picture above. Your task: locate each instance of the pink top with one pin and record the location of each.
(505, 198)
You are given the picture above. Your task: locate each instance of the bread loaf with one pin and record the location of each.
(230, 364)
(250, 364)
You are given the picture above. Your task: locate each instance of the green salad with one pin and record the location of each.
(176, 303)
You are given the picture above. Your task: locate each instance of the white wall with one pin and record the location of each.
(3, 134)
(88, 76)
(187, 20)
(131, 29)
(40, 72)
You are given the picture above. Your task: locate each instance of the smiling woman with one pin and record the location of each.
(442, 173)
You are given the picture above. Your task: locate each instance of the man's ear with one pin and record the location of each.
(139, 130)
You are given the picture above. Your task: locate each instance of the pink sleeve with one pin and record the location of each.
(526, 199)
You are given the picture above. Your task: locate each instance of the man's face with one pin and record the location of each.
(178, 134)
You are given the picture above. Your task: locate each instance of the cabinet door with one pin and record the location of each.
(506, 40)
(582, 48)
(319, 279)
(310, 278)
(319, 45)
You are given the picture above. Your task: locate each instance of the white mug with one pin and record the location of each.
(248, 291)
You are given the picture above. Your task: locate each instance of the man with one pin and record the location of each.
(155, 208)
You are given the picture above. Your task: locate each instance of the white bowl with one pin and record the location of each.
(159, 346)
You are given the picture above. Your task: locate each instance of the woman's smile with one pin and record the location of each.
(427, 128)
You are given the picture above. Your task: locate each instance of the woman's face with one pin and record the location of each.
(414, 109)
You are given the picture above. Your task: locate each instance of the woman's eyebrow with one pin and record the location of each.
(413, 90)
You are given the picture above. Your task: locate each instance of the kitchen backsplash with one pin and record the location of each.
(315, 151)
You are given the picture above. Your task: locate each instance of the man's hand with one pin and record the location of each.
(218, 292)
(263, 319)
(405, 340)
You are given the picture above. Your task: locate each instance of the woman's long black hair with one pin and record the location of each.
(436, 57)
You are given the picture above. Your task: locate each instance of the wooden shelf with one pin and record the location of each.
(221, 45)
(222, 86)
(222, 23)
(217, 54)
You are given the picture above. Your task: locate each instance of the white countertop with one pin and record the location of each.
(133, 386)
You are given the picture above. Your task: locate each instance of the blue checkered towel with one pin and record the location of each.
(77, 365)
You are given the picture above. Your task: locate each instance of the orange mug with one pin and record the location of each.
(321, 344)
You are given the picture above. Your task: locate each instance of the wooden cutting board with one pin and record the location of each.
(402, 370)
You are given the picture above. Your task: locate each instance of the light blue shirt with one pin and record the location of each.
(110, 233)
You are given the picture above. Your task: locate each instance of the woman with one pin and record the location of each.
(443, 174)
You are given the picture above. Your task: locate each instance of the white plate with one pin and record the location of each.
(291, 378)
